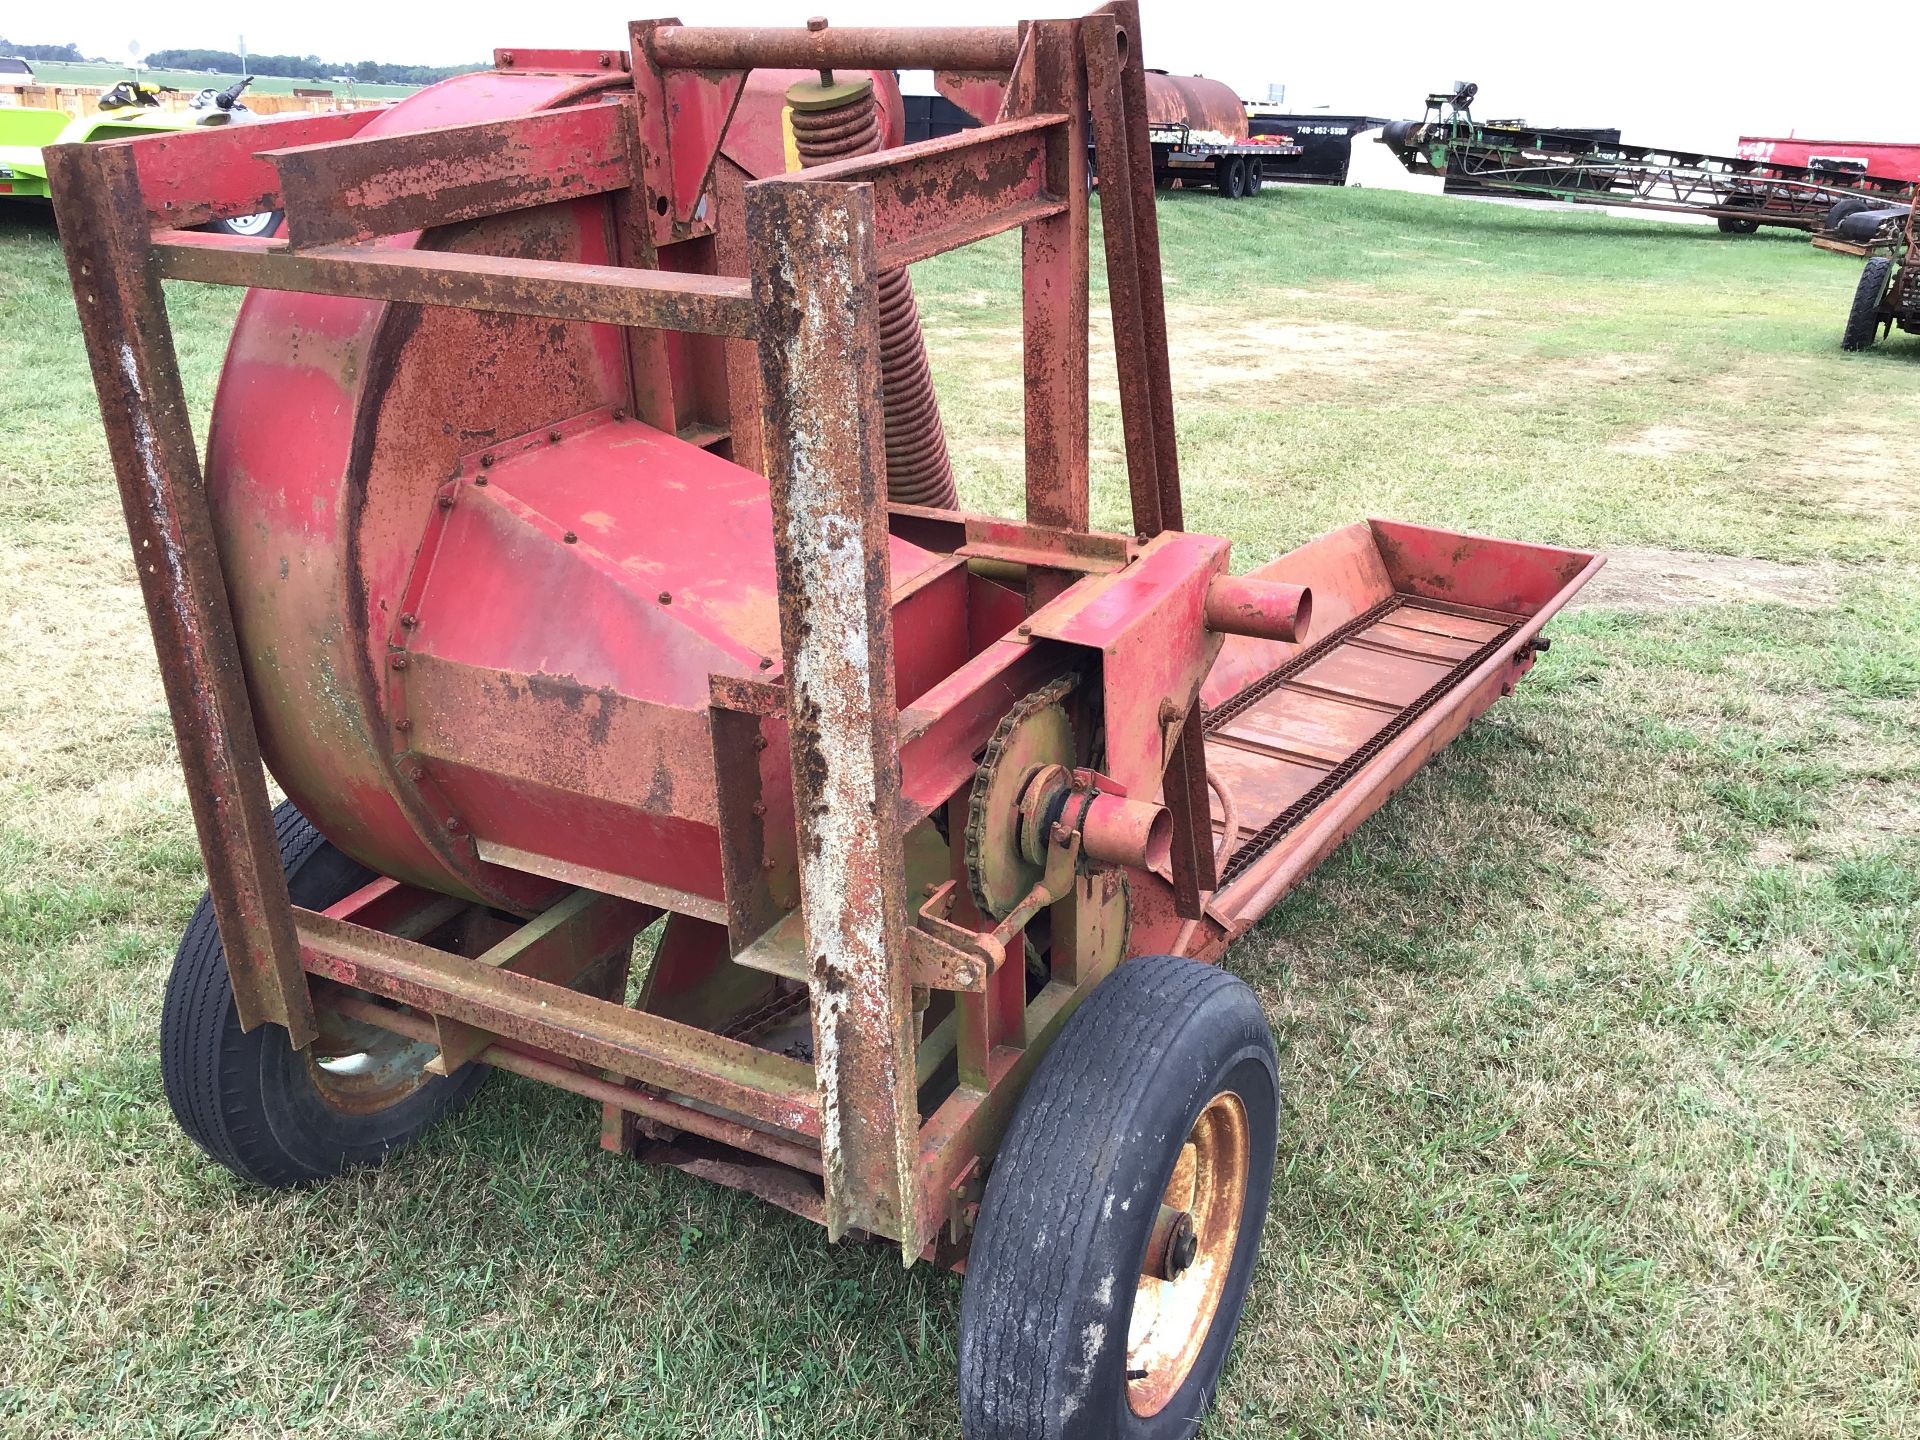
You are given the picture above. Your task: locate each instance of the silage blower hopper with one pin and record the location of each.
(577, 545)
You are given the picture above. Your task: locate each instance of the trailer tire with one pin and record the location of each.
(1230, 174)
(263, 225)
(270, 1113)
(1150, 1081)
(1863, 320)
(1256, 175)
(1845, 206)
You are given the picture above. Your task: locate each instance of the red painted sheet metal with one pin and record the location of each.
(1468, 611)
(1899, 159)
(335, 420)
(210, 171)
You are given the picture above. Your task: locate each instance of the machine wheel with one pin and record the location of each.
(1845, 206)
(1733, 225)
(268, 1112)
(1143, 1149)
(265, 223)
(1255, 174)
(1863, 320)
(1230, 174)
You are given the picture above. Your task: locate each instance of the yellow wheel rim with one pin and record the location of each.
(1172, 1317)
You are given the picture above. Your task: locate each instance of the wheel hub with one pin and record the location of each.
(1184, 1278)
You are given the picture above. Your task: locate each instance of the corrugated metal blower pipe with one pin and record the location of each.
(833, 119)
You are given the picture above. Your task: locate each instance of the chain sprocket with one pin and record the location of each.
(997, 873)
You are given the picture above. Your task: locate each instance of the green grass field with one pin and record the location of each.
(1602, 1040)
(63, 72)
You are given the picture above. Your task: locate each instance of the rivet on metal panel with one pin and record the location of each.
(479, 479)
(446, 502)
(571, 538)
(409, 620)
(455, 825)
(766, 663)
(416, 771)
(553, 436)
(487, 459)
(403, 725)
(399, 662)
(666, 597)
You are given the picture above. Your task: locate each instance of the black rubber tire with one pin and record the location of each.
(1230, 175)
(1731, 226)
(1845, 206)
(1256, 174)
(1863, 320)
(1056, 1261)
(250, 225)
(249, 1099)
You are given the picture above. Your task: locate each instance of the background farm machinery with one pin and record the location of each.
(1740, 194)
(1199, 134)
(1887, 294)
(577, 544)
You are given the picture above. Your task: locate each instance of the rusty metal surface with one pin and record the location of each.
(939, 194)
(389, 184)
(978, 47)
(835, 123)
(603, 294)
(196, 175)
(815, 269)
(1193, 102)
(771, 1089)
(555, 1070)
(123, 319)
(1053, 291)
(558, 947)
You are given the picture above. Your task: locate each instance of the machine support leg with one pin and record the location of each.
(1054, 288)
(123, 316)
(1132, 231)
(814, 280)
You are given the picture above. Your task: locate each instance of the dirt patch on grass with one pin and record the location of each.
(1640, 578)
(1861, 471)
(1659, 442)
(1214, 349)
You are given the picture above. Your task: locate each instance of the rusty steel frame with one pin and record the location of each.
(817, 243)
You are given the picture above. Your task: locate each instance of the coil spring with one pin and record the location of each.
(919, 471)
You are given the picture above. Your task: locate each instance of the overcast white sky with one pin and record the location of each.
(1687, 73)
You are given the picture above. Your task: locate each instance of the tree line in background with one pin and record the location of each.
(227, 62)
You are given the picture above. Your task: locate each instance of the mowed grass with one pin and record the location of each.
(1602, 1041)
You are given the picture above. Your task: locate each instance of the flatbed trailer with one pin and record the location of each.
(1236, 168)
(1740, 194)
